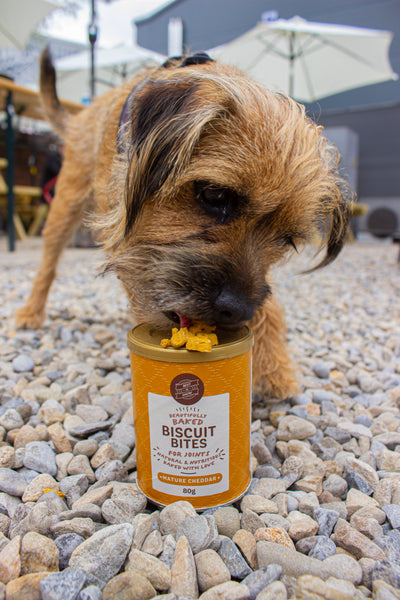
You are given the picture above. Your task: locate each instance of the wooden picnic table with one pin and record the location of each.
(24, 102)
(24, 207)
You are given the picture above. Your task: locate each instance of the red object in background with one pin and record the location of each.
(47, 189)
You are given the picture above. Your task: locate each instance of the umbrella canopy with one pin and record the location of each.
(310, 60)
(110, 57)
(113, 65)
(75, 85)
(18, 20)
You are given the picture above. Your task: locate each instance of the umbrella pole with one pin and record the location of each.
(291, 63)
(92, 41)
(10, 173)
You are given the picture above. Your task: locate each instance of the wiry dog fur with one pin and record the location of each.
(216, 180)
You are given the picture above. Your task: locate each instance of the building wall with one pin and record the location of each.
(379, 148)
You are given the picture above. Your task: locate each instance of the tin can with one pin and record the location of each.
(192, 416)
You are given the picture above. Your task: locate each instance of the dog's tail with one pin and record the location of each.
(55, 112)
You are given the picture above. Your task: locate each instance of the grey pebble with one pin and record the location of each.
(320, 396)
(91, 593)
(327, 406)
(262, 454)
(12, 482)
(84, 431)
(301, 399)
(85, 511)
(104, 553)
(66, 585)
(28, 474)
(54, 502)
(167, 555)
(299, 411)
(363, 420)
(292, 503)
(322, 548)
(66, 544)
(22, 363)
(271, 520)
(114, 470)
(87, 447)
(250, 521)
(122, 451)
(200, 531)
(345, 567)
(339, 507)
(9, 503)
(339, 435)
(305, 545)
(390, 543)
(265, 471)
(336, 485)
(124, 434)
(233, 559)
(387, 570)
(295, 564)
(72, 481)
(123, 506)
(40, 457)
(38, 518)
(326, 449)
(317, 437)
(322, 370)
(326, 520)
(393, 514)
(260, 578)
(356, 481)
(11, 419)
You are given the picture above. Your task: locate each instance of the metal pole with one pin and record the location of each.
(92, 40)
(291, 64)
(10, 173)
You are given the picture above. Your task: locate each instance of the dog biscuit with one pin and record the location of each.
(197, 337)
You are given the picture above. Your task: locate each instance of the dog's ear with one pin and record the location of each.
(336, 224)
(167, 120)
(337, 232)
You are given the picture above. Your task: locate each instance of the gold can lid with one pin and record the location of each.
(144, 340)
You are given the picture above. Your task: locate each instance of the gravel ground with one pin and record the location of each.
(322, 516)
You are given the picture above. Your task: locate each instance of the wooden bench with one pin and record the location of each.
(26, 209)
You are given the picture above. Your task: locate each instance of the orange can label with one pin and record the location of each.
(192, 423)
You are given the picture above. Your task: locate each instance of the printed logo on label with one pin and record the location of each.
(187, 388)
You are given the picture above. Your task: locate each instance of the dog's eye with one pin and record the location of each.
(290, 241)
(218, 202)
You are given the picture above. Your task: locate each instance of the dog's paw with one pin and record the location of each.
(277, 386)
(28, 319)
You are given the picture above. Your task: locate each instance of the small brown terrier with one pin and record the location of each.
(198, 180)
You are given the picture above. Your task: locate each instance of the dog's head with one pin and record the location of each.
(223, 179)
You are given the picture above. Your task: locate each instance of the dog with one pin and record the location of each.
(198, 180)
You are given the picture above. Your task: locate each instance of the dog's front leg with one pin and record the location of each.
(63, 218)
(273, 370)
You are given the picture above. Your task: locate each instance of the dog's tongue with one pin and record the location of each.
(184, 321)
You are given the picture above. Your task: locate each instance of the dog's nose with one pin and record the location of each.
(231, 308)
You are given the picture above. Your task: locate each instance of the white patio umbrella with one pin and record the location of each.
(110, 57)
(113, 66)
(19, 19)
(310, 60)
(75, 85)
